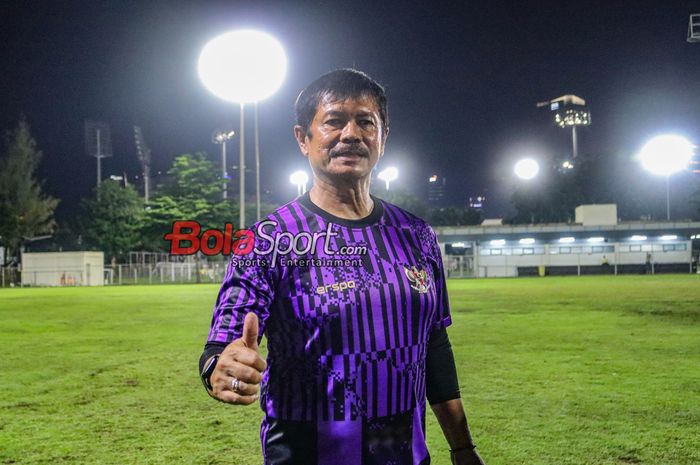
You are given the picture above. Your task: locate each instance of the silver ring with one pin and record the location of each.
(235, 384)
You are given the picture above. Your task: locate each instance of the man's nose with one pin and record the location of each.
(351, 133)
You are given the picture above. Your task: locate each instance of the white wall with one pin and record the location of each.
(63, 269)
(596, 214)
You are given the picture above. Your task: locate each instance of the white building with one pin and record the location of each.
(596, 245)
(63, 269)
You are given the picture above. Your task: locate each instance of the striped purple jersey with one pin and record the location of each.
(347, 326)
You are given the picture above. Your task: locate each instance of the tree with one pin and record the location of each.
(193, 193)
(551, 201)
(405, 200)
(113, 219)
(453, 216)
(596, 178)
(25, 211)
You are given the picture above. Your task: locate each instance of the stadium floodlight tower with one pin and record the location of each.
(98, 143)
(220, 137)
(144, 154)
(299, 178)
(570, 111)
(243, 66)
(666, 155)
(388, 175)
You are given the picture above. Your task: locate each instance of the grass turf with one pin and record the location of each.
(592, 370)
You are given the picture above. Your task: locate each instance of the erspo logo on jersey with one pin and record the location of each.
(241, 242)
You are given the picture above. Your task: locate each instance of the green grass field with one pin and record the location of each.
(593, 370)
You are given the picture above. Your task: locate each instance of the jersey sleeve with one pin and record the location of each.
(443, 318)
(248, 286)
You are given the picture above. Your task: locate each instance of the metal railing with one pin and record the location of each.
(165, 272)
(120, 274)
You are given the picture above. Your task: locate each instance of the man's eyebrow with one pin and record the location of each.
(333, 113)
(336, 113)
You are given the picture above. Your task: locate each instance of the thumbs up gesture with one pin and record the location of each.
(236, 378)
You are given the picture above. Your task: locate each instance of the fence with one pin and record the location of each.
(156, 273)
(10, 276)
(165, 272)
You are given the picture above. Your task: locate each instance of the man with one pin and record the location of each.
(356, 339)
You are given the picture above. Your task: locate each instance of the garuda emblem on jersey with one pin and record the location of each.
(419, 279)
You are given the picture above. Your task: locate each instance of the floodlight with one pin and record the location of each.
(527, 168)
(388, 174)
(638, 238)
(459, 245)
(667, 154)
(221, 137)
(299, 178)
(596, 240)
(498, 242)
(669, 237)
(527, 240)
(242, 66)
(567, 240)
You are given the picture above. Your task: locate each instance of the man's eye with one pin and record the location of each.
(366, 122)
(334, 122)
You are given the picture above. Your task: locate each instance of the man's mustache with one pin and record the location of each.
(349, 150)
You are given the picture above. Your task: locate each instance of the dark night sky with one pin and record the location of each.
(462, 78)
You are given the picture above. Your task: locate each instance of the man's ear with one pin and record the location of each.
(300, 136)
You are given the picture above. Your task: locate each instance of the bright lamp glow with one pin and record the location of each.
(459, 245)
(527, 240)
(527, 168)
(595, 240)
(242, 66)
(567, 240)
(669, 237)
(638, 238)
(388, 174)
(299, 178)
(498, 242)
(667, 154)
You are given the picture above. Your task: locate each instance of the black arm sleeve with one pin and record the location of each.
(441, 382)
(210, 349)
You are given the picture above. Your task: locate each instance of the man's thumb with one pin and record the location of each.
(250, 331)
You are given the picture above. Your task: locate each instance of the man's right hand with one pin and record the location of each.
(240, 360)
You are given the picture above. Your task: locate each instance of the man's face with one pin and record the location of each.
(345, 139)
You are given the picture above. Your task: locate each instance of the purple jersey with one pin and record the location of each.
(347, 325)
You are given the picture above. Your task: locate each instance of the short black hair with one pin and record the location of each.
(339, 84)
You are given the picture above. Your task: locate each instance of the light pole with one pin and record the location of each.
(666, 155)
(243, 66)
(299, 178)
(220, 137)
(387, 175)
(257, 166)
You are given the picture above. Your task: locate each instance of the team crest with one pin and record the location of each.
(419, 279)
